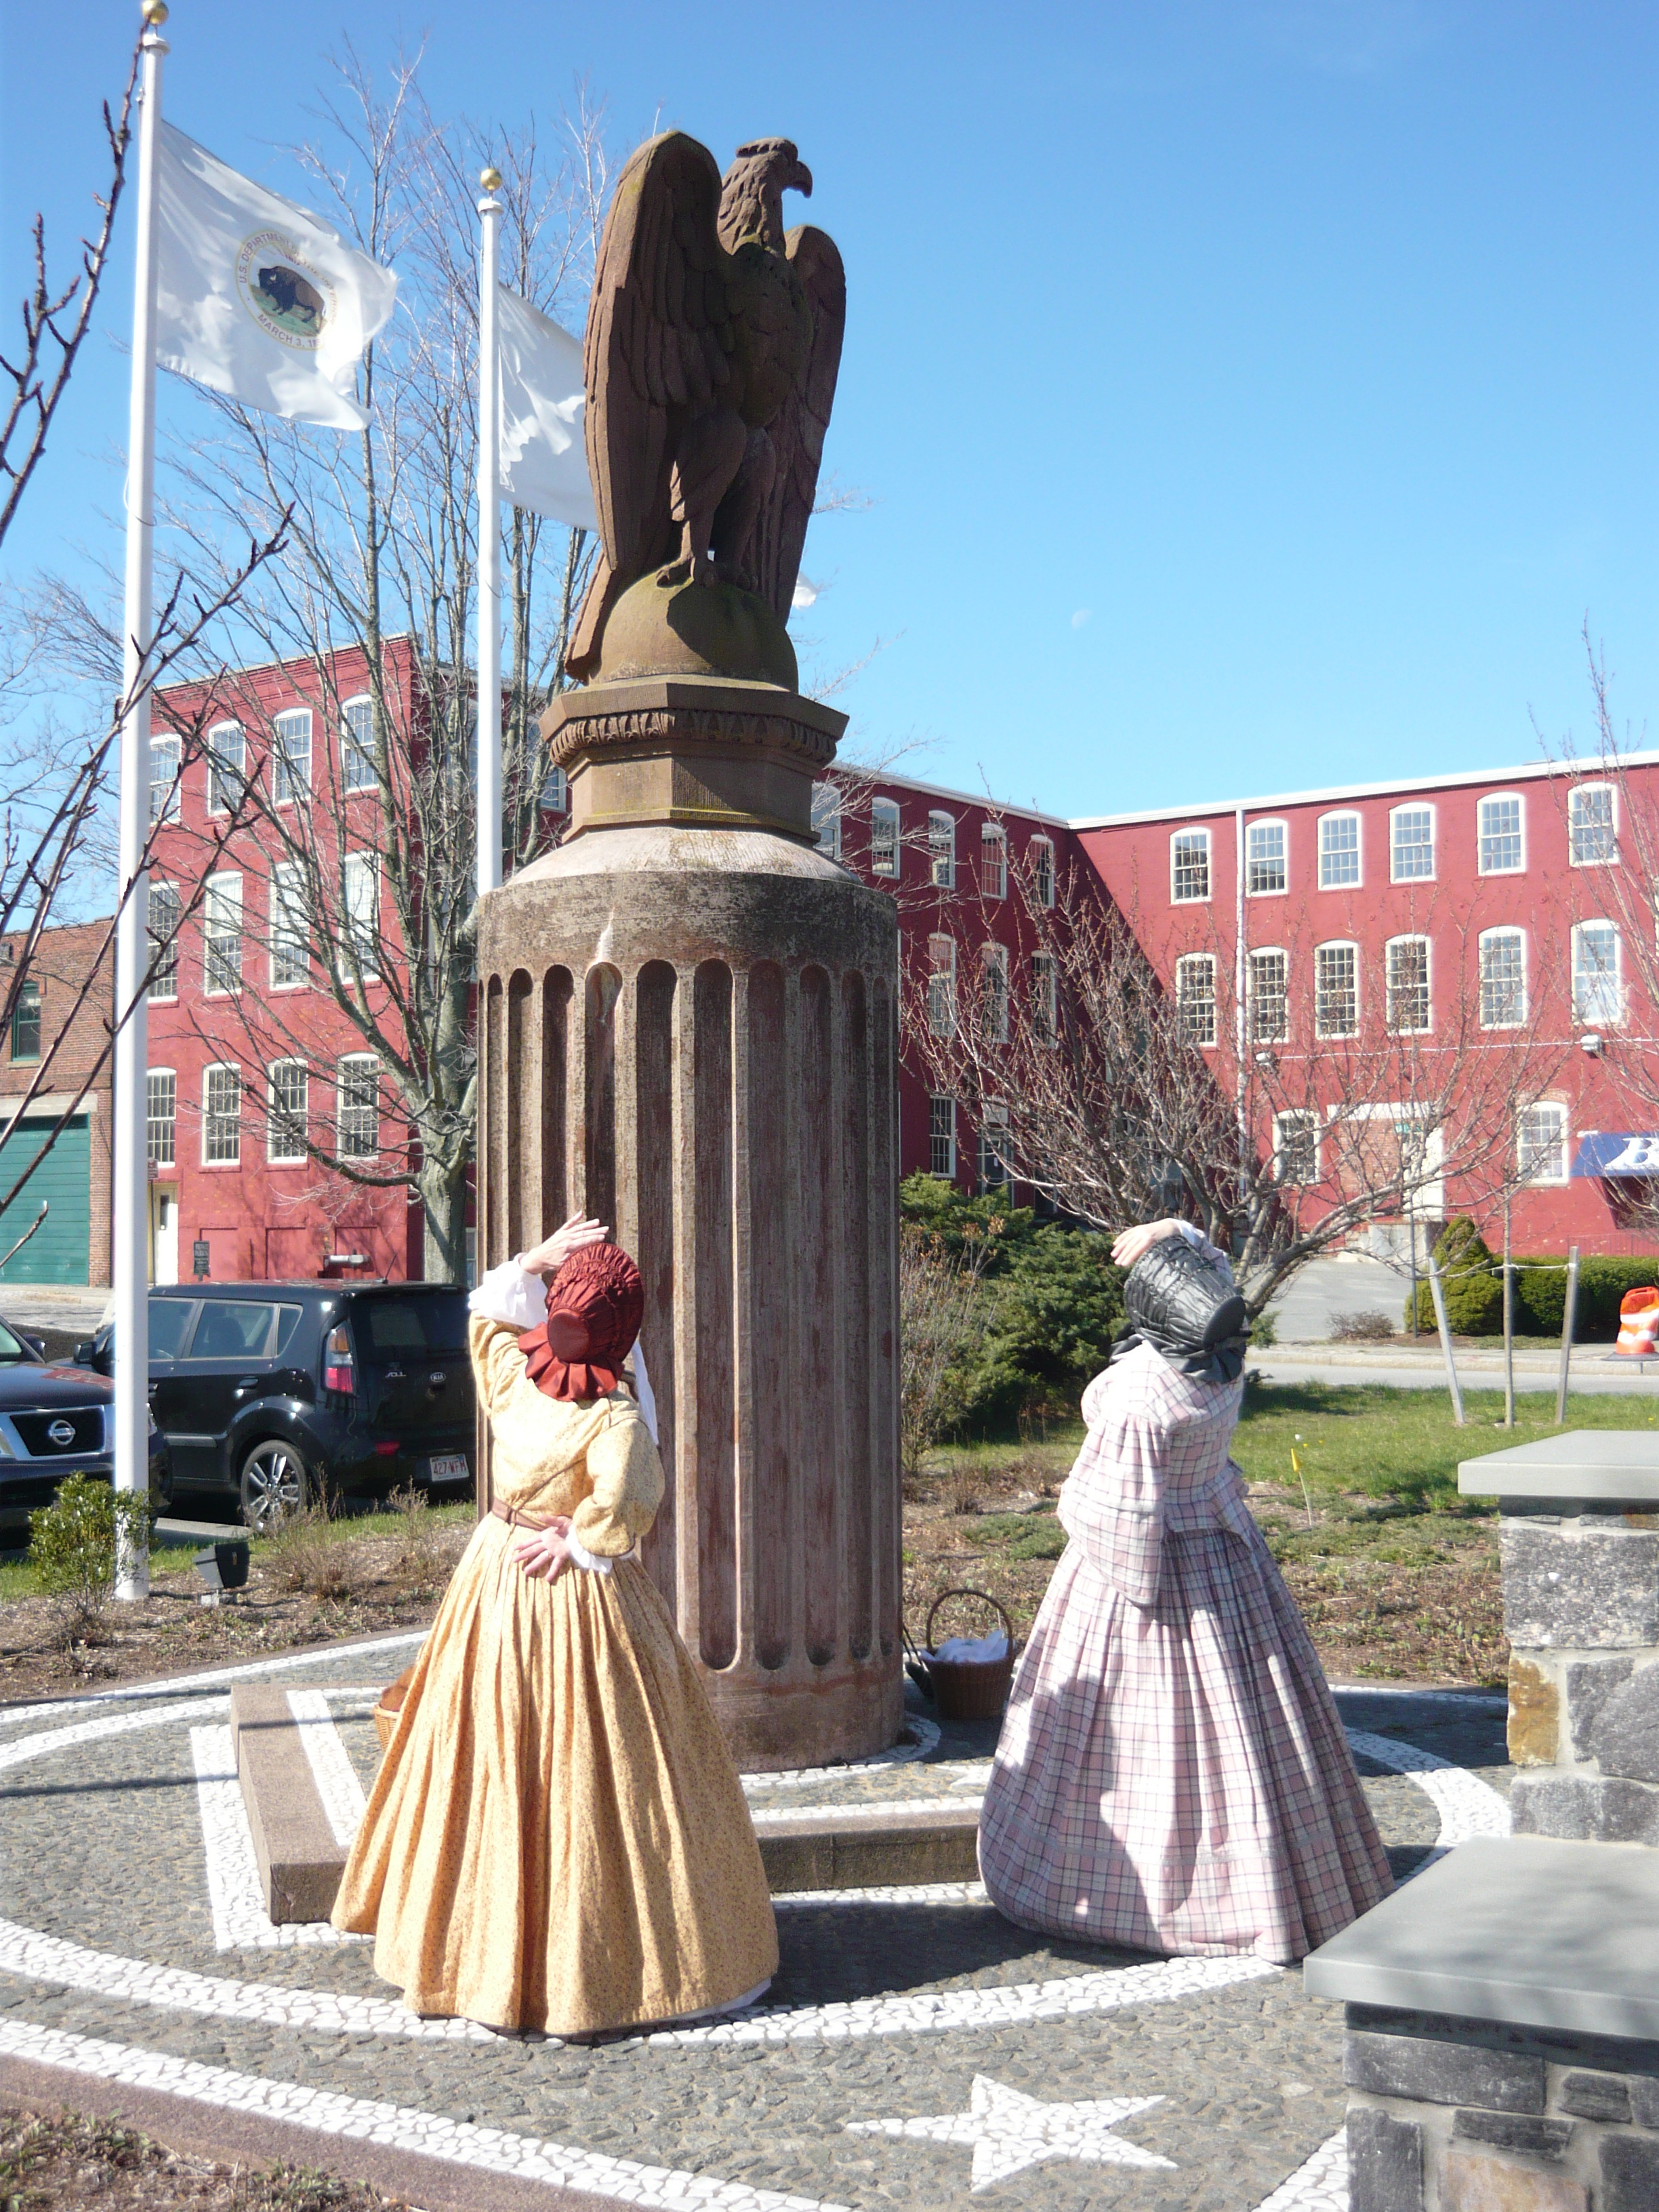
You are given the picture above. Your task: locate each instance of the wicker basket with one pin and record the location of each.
(968, 1689)
(390, 1705)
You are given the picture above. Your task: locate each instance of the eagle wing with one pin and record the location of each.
(799, 429)
(659, 340)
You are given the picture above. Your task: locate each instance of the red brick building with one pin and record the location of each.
(62, 1026)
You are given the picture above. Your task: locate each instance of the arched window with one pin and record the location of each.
(290, 756)
(826, 818)
(1267, 862)
(884, 837)
(1503, 955)
(1502, 839)
(357, 744)
(1592, 825)
(166, 753)
(1270, 1006)
(287, 1115)
(1541, 1142)
(942, 986)
(1336, 990)
(1040, 854)
(994, 968)
(1189, 866)
(993, 861)
(1338, 852)
(162, 927)
(1598, 997)
(1409, 1002)
(942, 1138)
(227, 752)
(1410, 845)
(942, 850)
(1195, 996)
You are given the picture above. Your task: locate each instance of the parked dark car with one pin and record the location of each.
(55, 1422)
(280, 1393)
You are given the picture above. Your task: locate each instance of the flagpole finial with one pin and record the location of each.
(155, 13)
(490, 179)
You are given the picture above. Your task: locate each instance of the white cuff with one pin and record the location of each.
(580, 1556)
(647, 1402)
(510, 1294)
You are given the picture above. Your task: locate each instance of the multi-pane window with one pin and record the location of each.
(167, 751)
(360, 885)
(1295, 1147)
(993, 861)
(942, 850)
(993, 1147)
(1541, 1142)
(1195, 996)
(555, 792)
(1190, 866)
(287, 1119)
(1339, 851)
(942, 986)
(1596, 996)
(26, 1020)
(995, 984)
(1270, 1010)
(1503, 979)
(162, 926)
(826, 818)
(357, 744)
(1041, 852)
(290, 958)
(161, 1116)
(884, 837)
(942, 1138)
(1408, 985)
(1265, 869)
(227, 752)
(1592, 828)
(221, 1115)
(290, 756)
(359, 1106)
(1045, 998)
(1336, 990)
(223, 918)
(1501, 849)
(1410, 844)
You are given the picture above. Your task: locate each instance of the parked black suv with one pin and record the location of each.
(278, 1393)
(55, 1422)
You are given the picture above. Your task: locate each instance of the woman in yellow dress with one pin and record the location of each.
(557, 1839)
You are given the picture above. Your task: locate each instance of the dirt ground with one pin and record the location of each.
(59, 2162)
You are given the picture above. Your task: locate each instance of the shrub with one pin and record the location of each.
(301, 1558)
(72, 1548)
(1055, 1309)
(1473, 1292)
(1264, 1331)
(1367, 1327)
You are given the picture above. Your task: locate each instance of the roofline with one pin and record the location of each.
(978, 798)
(1460, 779)
(283, 660)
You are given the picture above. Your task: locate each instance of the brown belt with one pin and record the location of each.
(514, 1518)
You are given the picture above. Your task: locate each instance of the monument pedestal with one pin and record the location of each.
(688, 1029)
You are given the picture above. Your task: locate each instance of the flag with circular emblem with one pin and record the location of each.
(256, 297)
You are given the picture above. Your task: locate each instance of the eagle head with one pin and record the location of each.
(752, 189)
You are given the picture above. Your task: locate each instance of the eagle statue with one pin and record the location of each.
(712, 344)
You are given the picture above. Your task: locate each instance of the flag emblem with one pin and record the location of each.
(287, 296)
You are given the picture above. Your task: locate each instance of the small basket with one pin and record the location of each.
(966, 1689)
(390, 1705)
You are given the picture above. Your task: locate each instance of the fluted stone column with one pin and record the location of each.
(688, 1028)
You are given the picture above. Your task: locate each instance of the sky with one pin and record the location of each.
(1248, 396)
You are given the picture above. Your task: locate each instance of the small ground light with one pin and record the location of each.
(221, 1567)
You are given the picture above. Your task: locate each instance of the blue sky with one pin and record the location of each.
(1250, 396)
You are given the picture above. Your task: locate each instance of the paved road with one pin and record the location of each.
(1327, 1289)
(1404, 1373)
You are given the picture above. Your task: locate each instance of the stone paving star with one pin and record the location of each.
(1009, 2130)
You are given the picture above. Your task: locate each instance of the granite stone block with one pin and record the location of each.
(1644, 2100)
(1469, 2183)
(1515, 2131)
(1595, 2097)
(1623, 1738)
(1590, 1683)
(1440, 2073)
(1385, 2163)
(1584, 1810)
(1630, 2174)
(1582, 1583)
(1534, 1718)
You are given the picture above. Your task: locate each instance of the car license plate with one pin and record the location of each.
(450, 1467)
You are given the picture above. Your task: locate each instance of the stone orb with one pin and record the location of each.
(695, 630)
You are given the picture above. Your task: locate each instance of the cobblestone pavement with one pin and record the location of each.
(915, 2049)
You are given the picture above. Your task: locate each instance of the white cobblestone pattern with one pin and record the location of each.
(330, 1655)
(1319, 2184)
(337, 1787)
(875, 1808)
(1467, 1806)
(1007, 2131)
(915, 1892)
(236, 1901)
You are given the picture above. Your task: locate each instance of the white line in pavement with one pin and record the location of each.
(915, 1892)
(459, 2142)
(1467, 1805)
(240, 1921)
(331, 1770)
(1319, 2184)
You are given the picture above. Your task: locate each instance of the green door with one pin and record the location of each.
(56, 1253)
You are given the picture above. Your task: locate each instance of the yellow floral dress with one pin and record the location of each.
(557, 1837)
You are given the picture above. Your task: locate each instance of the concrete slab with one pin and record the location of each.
(1604, 1465)
(848, 1849)
(299, 1858)
(1528, 1929)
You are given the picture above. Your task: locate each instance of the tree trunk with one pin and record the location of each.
(442, 1185)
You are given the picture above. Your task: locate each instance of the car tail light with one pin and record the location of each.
(338, 1374)
(388, 1449)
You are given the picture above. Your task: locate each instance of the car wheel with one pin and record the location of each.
(276, 1481)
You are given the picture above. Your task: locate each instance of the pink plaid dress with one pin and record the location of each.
(1172, 1774)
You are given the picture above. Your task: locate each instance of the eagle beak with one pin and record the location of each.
(801, 180)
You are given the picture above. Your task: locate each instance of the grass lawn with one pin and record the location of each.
(1396, 1574)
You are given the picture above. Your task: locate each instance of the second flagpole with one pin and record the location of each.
(489, 544)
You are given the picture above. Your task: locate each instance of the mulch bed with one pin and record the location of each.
(59, 2162)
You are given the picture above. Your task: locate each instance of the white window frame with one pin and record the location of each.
(1330, 854)
(942, 984)
(1281, 889)
(943, 1109)
(994, 1115)
(1039, 858)
(1558, 1112)
(555, 795)
(1282, 1034)
(291, 768)
(1045, 997)
(885, 837)
(826, 817)
(289, 936)
(224, 897)
(155, 1122)
(361, 930)
(1335, 944)
(1591, 1019)
(1425, 1027)
(225, 761)
(212, 1114)
(351, 752)
(993, 856)
(1182, 861)
(1483, 836)
(994, 963)
(1484, 983)
(1185, 968)
(942, 849)
(164, 790)
(1413, 807)
(164, 982)
(1611, 826)
(1303, 1120)
(358, 1063)
(280, 1120)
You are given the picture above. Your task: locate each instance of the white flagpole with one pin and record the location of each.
(489, 544)
(131, 1222)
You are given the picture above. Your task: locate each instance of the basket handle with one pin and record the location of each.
(985, 1595)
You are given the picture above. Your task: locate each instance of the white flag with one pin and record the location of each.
(544, 459)
(256, 298)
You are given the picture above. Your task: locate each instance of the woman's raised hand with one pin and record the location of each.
(1132, 1242)
(550, 1255)
(543, 1553)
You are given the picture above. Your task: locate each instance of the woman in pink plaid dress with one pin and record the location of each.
(1173, 1774)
